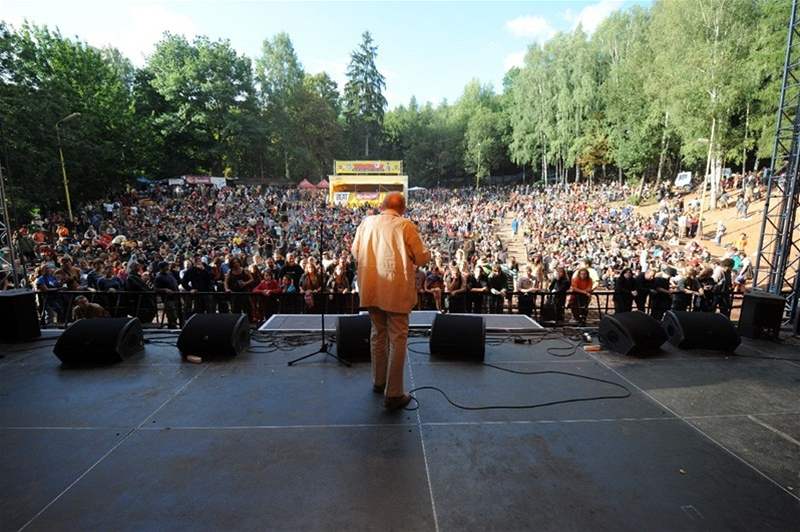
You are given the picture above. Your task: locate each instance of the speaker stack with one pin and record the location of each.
(701, 330)
(636, 333)
(18, 316)
(631, 333)
(453, 337)
(99, 341)
(761, 315)
(352, 338)
(458, 337)
(215, 335)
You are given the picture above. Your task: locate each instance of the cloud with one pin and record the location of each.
(514, 59)
(590, 17)
(11, 14)
(144, 25)
(132, 28)
(533, 27)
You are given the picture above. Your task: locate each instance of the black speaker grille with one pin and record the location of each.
(631, 333)
(99, 341)
(353, 338)
(215, 335)
(701, 330)
(458, 337)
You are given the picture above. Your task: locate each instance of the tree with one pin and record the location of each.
(689, 82)
(43, 78)
(364, 103)
(483, 143)
(633, 104)
(281, 78)
(765, 65)
(529, 111)
(699, 46)
(317, 119)
(207, 102)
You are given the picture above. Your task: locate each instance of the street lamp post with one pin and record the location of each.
(63, 166)
(6, 230)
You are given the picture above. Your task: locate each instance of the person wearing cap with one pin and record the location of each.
(387, 248)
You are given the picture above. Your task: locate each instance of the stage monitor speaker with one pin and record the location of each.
(761, 315)
(631, 333)
(352, 338)
(18, 316)
(99, 341)
(215, 335)
(458, 337)
(701, 330)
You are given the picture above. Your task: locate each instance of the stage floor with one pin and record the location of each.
(704, 443)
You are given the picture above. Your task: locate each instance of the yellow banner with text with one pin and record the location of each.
(368, 167)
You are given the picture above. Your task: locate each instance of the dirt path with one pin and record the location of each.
(516, 248)
(735, 226)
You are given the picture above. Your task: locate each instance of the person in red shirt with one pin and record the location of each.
(265, 306)
(582, 286)
(268, 285)
(62, 231)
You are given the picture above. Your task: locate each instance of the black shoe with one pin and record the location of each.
(378, 389)
(396, 403)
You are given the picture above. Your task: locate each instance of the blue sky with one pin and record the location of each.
(427, 49)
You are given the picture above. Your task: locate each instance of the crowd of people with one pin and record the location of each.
(175, 250)
(657, 262)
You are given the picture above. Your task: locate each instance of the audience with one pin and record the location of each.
(182, 252)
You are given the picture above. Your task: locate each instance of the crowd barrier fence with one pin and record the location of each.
(158, 309)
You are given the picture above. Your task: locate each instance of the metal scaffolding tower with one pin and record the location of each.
(8, 256)
(778, 259)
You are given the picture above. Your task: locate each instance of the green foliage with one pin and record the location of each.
(650, 80)
(364, 103)
(207, 105)
(637, 95)
(43, 78)
(700, 52)
(632, 110)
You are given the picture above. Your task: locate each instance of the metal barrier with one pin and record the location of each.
(172, 309)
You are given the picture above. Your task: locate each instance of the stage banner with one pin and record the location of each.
(197, 179)
(358, 199)
(368, 167)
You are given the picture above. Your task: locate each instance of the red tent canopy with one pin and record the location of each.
(305, 184)
(323, 184)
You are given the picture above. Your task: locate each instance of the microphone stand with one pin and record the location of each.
(324, 345)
